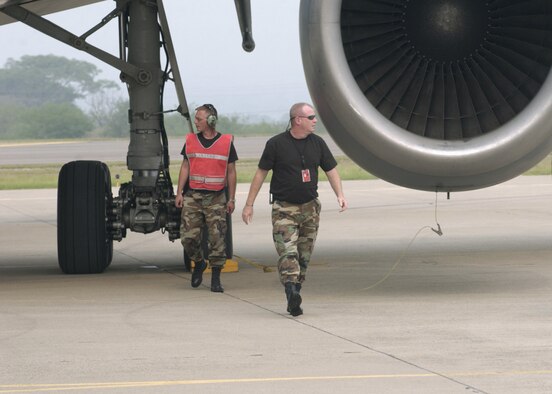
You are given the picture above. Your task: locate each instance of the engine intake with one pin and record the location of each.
(441, 95)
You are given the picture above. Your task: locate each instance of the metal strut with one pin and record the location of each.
(183, 104)
(50, 29)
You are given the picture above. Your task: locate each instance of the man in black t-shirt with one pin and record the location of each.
(294, 157)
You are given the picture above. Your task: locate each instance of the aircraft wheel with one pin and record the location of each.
(84, 194)
(109, 199)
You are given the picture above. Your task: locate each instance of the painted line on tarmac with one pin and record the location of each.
(37, 388)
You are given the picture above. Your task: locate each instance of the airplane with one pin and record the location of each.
(441, 95)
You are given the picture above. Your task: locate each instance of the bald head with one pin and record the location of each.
(298, 109)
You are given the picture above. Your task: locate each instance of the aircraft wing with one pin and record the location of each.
(42, 7)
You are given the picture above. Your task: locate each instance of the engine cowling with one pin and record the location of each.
(440, 95)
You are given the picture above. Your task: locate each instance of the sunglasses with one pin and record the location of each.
(310, 117)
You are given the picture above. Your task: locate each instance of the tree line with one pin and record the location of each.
(54, 97)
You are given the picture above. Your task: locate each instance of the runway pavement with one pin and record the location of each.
(115, 150)
(465, 312)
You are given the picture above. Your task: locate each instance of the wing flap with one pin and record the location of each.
(42, 7)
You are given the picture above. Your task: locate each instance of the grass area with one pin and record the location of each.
(45, 176)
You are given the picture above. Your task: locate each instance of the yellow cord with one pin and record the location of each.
(265, 268)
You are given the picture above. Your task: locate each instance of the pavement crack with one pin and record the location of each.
(389, 355)
(49, 223)
(351, 341)
(370, 348)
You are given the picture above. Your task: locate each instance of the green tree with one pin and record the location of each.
(9, 115)
(38, 97)
(34, 80)
(51, 120)
(114, 121)
(176, 125)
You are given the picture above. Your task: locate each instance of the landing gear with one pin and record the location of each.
(84, 197)
(89, 217)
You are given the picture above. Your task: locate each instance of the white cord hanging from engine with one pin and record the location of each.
(437, 231)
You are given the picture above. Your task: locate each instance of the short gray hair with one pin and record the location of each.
(296, 109)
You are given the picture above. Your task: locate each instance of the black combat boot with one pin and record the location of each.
(197, 274)
(216, 287)
(293, 298)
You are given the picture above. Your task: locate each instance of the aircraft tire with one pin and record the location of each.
(84, 193)
(109, 198)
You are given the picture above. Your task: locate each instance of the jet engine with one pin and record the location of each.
(440, 95)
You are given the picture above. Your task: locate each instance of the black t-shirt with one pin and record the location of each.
(283, 155)
(232, 157)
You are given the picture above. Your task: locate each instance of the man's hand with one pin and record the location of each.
(230, 206)
(342, 204)
(178, 200)
(247, 214)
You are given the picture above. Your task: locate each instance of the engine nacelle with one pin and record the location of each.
(440, 95)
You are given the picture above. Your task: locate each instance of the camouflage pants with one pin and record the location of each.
(294, 230)
(200, 210)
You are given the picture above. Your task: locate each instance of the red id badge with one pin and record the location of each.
(305, 174)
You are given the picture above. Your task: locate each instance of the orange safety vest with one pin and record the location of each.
(208, 166)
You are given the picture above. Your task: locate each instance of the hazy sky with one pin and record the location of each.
(207, 42)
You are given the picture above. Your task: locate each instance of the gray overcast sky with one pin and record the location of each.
(207, 41)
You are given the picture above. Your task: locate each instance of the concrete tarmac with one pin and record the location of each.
(60, 152)
(390, 306)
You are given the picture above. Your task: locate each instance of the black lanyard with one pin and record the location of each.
(301, 152)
